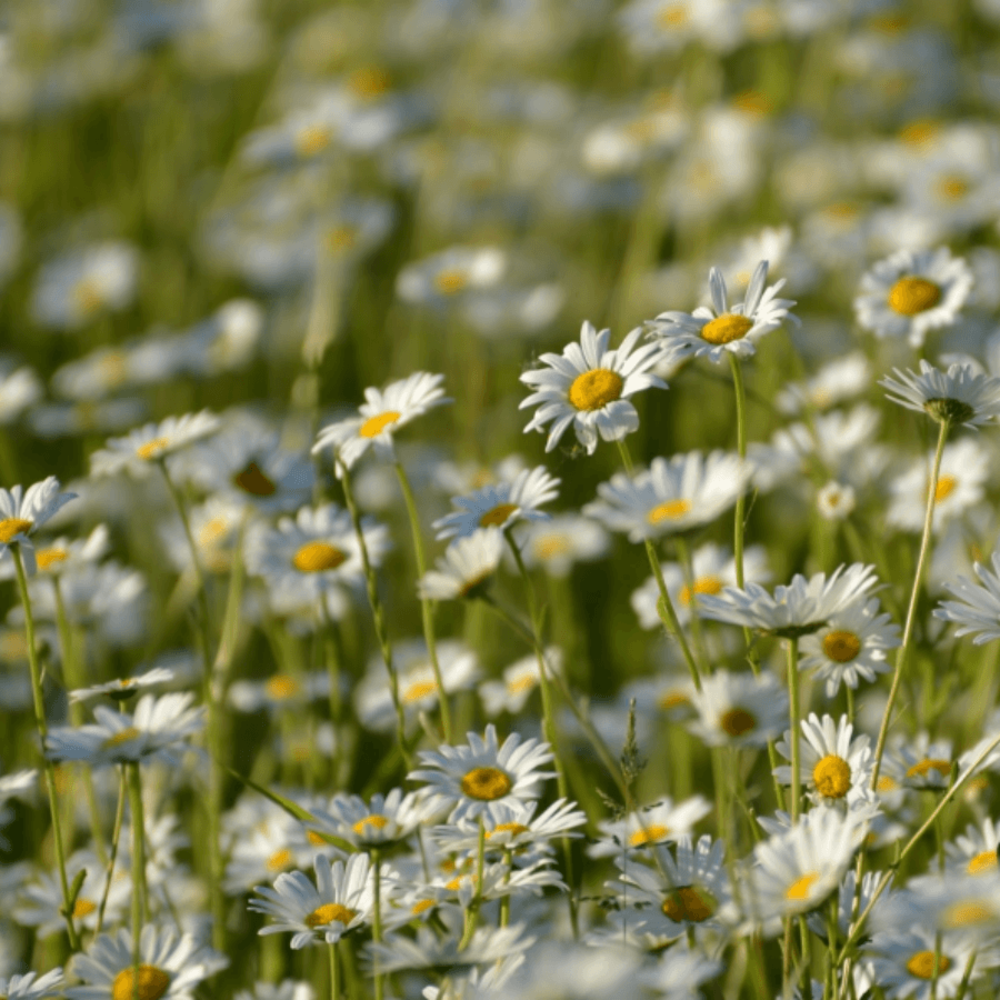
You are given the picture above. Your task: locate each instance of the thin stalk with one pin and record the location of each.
(741, 448)
(472, 913)
(794, 712)
(377, 916)
(334, 971)
(43, 731)
(426, 605)
(139, 903)
(113, 855)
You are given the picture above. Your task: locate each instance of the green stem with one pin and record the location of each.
(741, 448)
(472, 913)
(426, 605)
(140, 905)
(112, 857)
(334, 971)
(794, 713)
(377, 916)
(43, 732)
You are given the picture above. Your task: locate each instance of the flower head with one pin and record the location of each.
(151, 443)
(958, 396)
(977, 610)
(465, 566)
(23, 511)
(588, 387)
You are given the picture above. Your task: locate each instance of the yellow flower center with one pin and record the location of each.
(650, 835)
(418, 690)
(669, 510)
(341, 238)
(984, 861)
(315, 839)
(737, 721)
(313, 139)
(281, 687)
(673, 15)
(11, 526)
(450, 281)
(318, 557)
(703, 585)
(369, 82)
(967, 913)
(113, 368)
(726, 328)
(886, 784)
(921, 768)
(753, 103)
(841, 647)
(87, 295)
(673, 699)
(921, 964)
(952, 187)
(799, 889)
(122, 736)
(50, 557)
(153, 449)
(211, 531)
(550, 546)
(594, 389)
(251, 480)
(514, 829)
(374, 426)
(151, 985)
(911, 295)
(422, 907)
(280, 859)
(375, 821)
(688, 903)
(83, 907)
(920, 132)
(495, 517)
(517, 685)
(945, 486)
(328, 913)
(832, 777)
(486, 784)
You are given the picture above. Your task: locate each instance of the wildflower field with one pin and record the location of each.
(499, 498)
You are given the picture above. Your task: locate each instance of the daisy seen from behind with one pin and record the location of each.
(713, 331)
(959, 396)
(471, 780)
(588, 387)
(912, 292)
(379, 417)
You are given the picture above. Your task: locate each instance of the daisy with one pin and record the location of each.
(513, 826)
(137, 452)
(795, 871)
(500, 505)
(911, 292)
(836, 501)
(588, 387)
(279, 691)
(903, 962)
(834, 768)
(965, 468)
(853, 643)
(649, 826)
(837, 381)
(672, 496)
(157, 725)
(739, 710)
(472, 779)
(464, 568)
(712, 332)
(126, 687)
(24, 511)
(519, 680)
(557, 543)
(803, 607)
(379, 417)
(445, 276)
(958, 396)
(31, 986)
(170, 966)
(975, 852)
(341, 901)
(385, 820)
(977, 610)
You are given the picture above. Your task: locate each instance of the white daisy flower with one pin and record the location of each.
(837, 381)
(341, 901)
(977, 610)
(834, 769)
(126, 687)
(137, 452)
(739, 709)
(471, 779)
(380, 416)
(24, 511)
(444, 276)
(170, 966)
(31, 986)
(385, 820)
(852, 644)
(588, 387)
(279, 691)
(157, 725)
(836, 501)
(501, 505)
(649, 826)
(795, 871)
(965, 467)
(803, 607)
(465, 566)
(903, 962)
(671, 496)
(562, 540)
(912, 292)
(711, 332)
(975, 851)
(961, 395)
(926, 762)
(519, 681)
(513, 826)
(287, 989)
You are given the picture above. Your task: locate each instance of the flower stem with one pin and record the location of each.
(795, 713)
(113, 856)
(741, 448)
(426, 605)
(377, 916)
(334, 971)
(43, 732)
(140, 904)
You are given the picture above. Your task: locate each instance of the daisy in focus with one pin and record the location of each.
(713, 331)
(500, 505)
(671, 496)
(379, 417)
(473, 779)
(138, 451)
(959, 396)
(588, 387)
(23, 511)
(912, 292)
